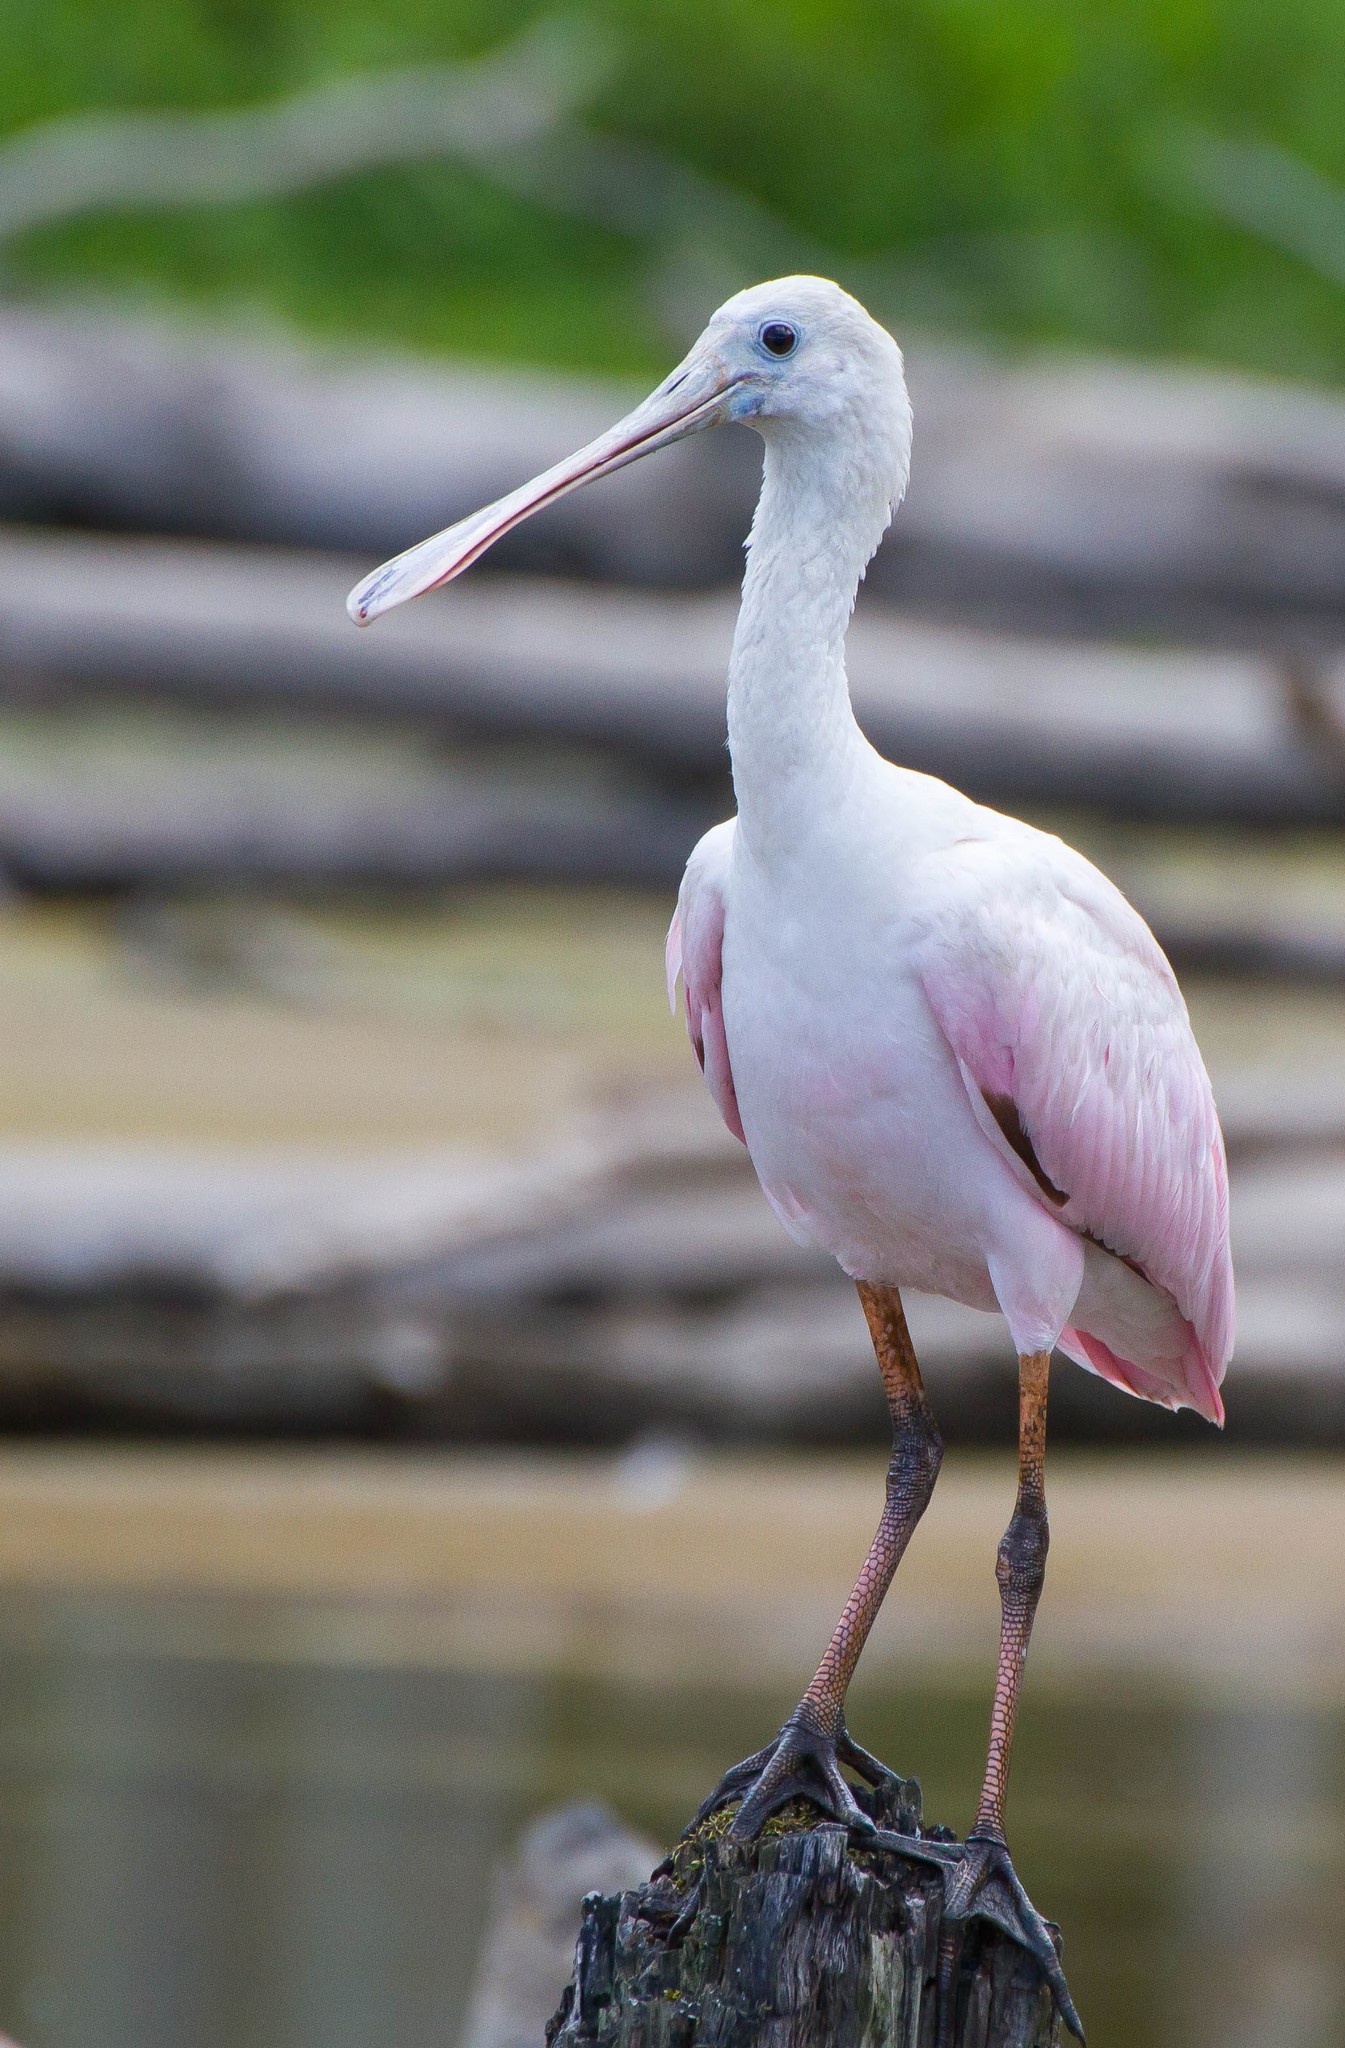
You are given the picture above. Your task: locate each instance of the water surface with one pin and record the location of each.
(231, 1822)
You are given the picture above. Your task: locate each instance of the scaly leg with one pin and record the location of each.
(1020, 1570)
(807, 1755)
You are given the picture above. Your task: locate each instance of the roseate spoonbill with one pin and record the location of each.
(957, 1056)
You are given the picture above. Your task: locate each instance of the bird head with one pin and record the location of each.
(797, 359)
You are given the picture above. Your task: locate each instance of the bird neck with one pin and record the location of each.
(793, 739)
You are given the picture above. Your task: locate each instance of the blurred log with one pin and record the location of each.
(634, 1281)
(204, 827)
(1140, 731)
(657, 1207)
(538, 1905)
(1251, 949)
(1065, 496)
(262, 813)
(795, 1940)
(1120, 498)
(125, 424)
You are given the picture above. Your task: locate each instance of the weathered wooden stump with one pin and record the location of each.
(800, 1939)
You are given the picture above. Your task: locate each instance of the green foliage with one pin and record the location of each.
(1004, 166)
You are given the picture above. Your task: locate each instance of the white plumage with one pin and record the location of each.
(956, 1054)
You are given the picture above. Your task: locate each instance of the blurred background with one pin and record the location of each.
(413, 1418)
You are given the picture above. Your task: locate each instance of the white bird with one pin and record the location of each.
(956, 1054)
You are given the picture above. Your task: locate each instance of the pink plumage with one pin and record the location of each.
(695, 951)
(955, 1053)
(1054, 994)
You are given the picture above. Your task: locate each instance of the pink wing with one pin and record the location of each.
(694, 950)
(1078, 1055)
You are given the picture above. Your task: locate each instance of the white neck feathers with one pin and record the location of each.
(826, 501)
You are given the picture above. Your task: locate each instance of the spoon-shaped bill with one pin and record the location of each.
(693, 397)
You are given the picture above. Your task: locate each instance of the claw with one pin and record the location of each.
(980, 1883)
(979, 1880)
(734, 1783)
(787, 1776)
(772, 1793)
(859, 1760)
(803, 1762)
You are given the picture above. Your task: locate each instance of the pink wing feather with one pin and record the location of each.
(694, 950)
(1054, 994)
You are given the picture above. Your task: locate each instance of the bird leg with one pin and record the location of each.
(1020, 1569)
(984, 1882)
(807, 1755)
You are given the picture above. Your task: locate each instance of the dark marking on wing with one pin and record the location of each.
(1004, 1110)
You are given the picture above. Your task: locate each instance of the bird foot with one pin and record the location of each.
(980, 1883)
(805, 1762)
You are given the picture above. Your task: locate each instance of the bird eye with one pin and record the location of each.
(778, 338)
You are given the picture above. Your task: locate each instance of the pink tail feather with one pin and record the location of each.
(1190, 1383)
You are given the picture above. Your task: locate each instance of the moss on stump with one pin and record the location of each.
(800, 1939)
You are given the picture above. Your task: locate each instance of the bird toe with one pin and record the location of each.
(983, 1884)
